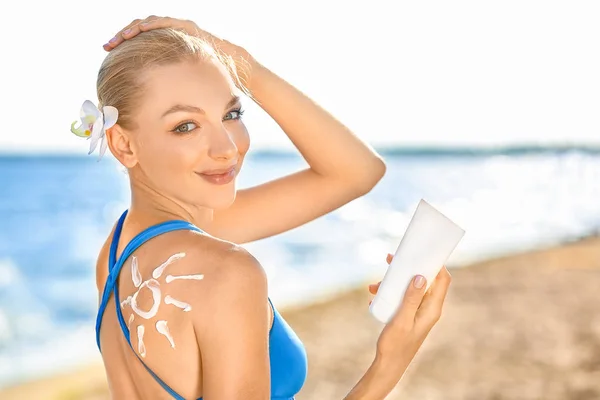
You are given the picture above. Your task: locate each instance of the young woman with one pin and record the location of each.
(184, 310)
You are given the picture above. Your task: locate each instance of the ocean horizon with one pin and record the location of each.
(384, 150)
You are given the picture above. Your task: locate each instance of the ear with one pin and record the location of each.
(121, 145)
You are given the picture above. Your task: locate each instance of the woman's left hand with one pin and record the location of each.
(239, 55)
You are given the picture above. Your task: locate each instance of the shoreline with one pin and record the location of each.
(521, 326)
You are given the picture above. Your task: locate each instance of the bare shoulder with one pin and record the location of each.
(214, 277)
(222, 290)
(219, 259)
(225, 268)
(233, 281)
(230, 318)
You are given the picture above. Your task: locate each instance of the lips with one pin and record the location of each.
(218, 176)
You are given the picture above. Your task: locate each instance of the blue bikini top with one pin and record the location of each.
(286, 351)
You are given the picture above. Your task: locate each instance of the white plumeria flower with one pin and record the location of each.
(94, 124)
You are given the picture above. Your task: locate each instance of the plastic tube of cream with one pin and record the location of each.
(427, 243)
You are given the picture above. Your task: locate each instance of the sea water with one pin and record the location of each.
(56, 211)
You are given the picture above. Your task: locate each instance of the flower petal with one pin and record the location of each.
(97, 133)
(88, 119)
(89, 108)
(79, 131)
(103, 146)
(111, 115)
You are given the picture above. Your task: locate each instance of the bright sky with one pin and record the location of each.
(397, 72)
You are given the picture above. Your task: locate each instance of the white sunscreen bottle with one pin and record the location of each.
(429, 240)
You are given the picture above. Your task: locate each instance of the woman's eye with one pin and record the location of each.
(234, 114)
(187, 127)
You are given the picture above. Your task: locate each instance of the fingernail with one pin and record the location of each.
(113, 40)
(126, 31)
(419, 281)
(143, 23)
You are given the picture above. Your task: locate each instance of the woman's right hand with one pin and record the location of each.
(402, 337)
(242, 59)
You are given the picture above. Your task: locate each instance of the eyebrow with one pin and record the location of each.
(194, 109)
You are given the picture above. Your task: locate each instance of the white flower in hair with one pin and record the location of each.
(94, 124)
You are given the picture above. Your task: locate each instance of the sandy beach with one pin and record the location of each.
(521, 327)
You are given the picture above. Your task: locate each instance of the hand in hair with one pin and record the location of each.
(153, 22)
(243, 60)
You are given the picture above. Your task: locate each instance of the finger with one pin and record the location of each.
(184, 25)
(134, 30)
(130, 32)
(442, 276)
(374, 288)
(431, 309)
(389, 258)
(411, 301)
(118, 38)
(158, 23)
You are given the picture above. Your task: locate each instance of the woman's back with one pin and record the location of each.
(166, 288)
(172, 354)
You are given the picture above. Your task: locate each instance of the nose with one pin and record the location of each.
(222, 146)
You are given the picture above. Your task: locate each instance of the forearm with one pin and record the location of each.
(329, 147)
(377, 382)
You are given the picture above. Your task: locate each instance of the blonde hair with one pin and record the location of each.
(119, 84)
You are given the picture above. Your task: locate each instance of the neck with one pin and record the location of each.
(149, 207)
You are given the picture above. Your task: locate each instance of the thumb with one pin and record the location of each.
(411, 301)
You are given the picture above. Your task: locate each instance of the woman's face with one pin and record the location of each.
(188, 133)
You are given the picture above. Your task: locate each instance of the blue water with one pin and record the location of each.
(56, 211)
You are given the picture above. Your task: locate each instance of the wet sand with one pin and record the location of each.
(521, 327)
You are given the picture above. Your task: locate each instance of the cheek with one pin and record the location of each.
(164, 156)
(241, 139)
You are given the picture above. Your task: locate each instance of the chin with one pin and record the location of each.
(220, 199)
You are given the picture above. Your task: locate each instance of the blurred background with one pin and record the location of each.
(488, 110)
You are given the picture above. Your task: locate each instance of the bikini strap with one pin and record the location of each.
(114, 265)
(114, 269)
